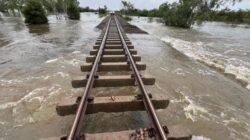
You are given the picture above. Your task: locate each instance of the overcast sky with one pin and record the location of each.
(145, 4)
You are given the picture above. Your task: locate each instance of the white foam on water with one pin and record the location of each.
(248, 87)
(158, 86)
(10, 82)
(63, 75)
(231, 120)
(198, 51)
(16, 42)
(2, 123)
(241, 72)
(37, 105)
(6, 82)
(76, 52)
(181, 72)
(74, 62)
(199, 138)
(7, 105)
(53, 60)
(192, 110)
(1, 14)
(206, 72)
(167, 70)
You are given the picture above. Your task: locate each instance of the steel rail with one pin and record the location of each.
(78, 121)
(146, 100)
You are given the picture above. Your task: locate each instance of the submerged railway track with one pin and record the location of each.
(114, 52)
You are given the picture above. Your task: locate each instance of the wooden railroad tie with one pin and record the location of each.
(114, 52)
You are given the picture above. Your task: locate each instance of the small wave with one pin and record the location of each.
(6, 82)
(2, 123)
(37, 105)
(21, 41)
(74, 62)
(199, 138)
(181, 72)
(197, 51)
(206, 72)
(7, 105)
(248, 87)
(242, 73)
(60, 60)
(192, 110)
(53, 60)
(76, 52)
(165, 69)
(63, 75)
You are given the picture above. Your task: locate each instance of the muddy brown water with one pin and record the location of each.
(39, 63)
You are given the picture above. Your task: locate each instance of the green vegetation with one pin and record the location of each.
(59, 6)
(55, 6)
(34, 12)
(103, 11)
(127, 18)
(184, 12)
(51, 7)
(225, 15)
(179, 14)
(10, 6)
(73, 10)
(127, 9)
(86, 9)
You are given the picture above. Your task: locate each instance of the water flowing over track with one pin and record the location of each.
(114, 52)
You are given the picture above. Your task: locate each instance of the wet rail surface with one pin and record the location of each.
(114, 52)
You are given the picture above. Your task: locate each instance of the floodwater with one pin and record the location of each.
(193, 68)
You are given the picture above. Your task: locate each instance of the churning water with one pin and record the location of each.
(37, 64)
(222, 46)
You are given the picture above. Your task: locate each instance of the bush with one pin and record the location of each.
(180, 14)
(127, 18)
(103, 10)
(73, 10)
(34, 12)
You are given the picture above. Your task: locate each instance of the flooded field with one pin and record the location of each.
(37, 64)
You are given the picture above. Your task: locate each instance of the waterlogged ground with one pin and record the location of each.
(205, 99)
(38, 63)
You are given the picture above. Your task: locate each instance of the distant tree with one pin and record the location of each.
(73, 10)
(86, 9)
(11, 5)
(34, 12)
(153, 13)
(103, 10)
(127, 7)
(60, 6)
(182, 14)
(163, 9)
(49, 5)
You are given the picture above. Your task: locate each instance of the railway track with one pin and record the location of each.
(113, 51)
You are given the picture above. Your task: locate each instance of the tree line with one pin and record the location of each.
(185, 12)
(182, 13)
(36, 11)
(227, 15)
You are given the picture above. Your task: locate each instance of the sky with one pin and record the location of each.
(145, 4)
